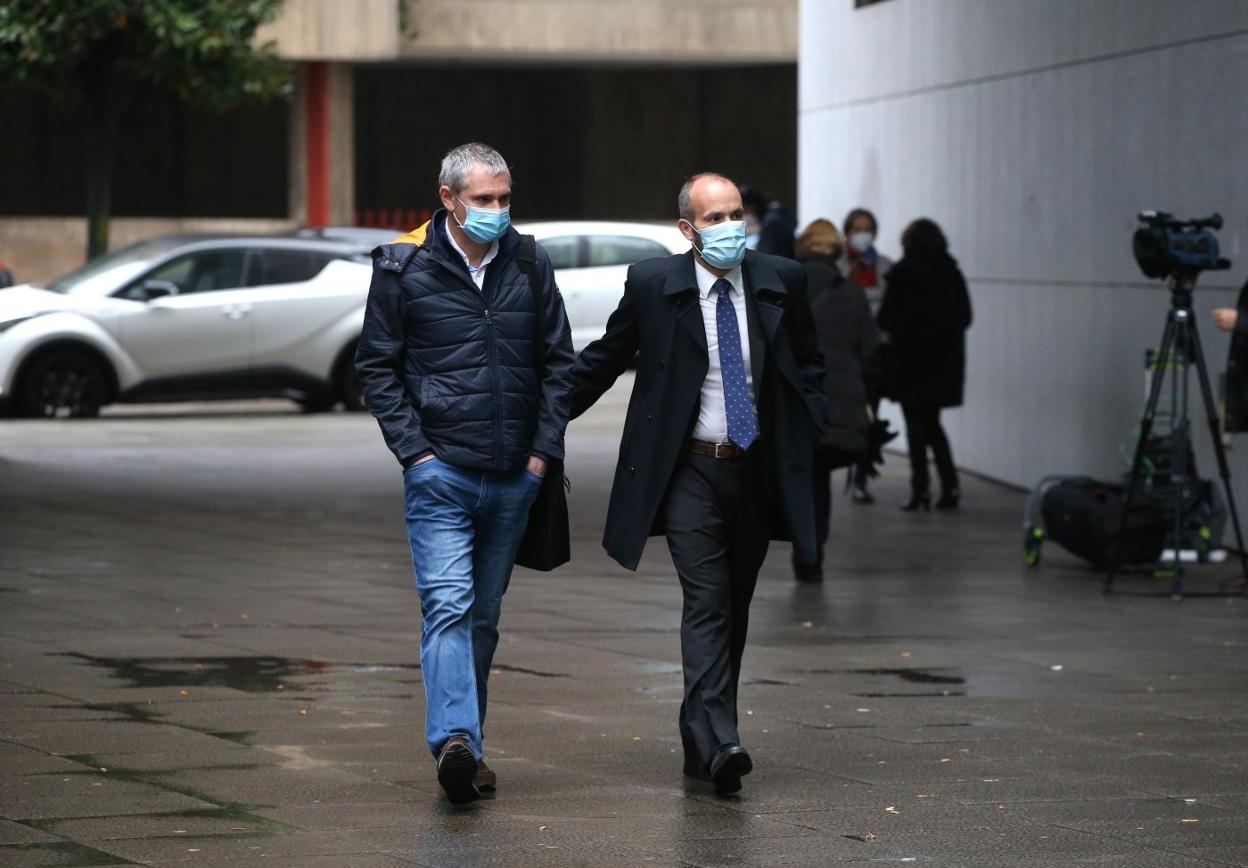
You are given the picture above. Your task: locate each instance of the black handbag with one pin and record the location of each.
(547, 540)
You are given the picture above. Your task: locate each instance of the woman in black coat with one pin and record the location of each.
(849, 343)
(926, 312)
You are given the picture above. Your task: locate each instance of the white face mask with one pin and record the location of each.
(861, 241)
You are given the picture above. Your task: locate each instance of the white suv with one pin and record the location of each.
(188, 317)
(194, 317)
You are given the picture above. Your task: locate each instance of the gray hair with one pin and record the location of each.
(458, 163)
(683, 208)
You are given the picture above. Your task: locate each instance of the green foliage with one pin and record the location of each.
(201, 50)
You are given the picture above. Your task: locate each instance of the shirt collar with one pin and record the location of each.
(485, 260)
(706, 280)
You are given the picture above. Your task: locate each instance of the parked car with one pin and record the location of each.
(363, 237)
(591, 259)
(188, 317)
(199, 317)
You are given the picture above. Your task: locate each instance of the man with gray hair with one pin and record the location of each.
(464, 360)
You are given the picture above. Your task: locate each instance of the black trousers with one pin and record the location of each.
(923, 431)
(861, 472)
(822, 482)
(718, 532)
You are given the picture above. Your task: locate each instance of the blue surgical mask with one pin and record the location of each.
(723, 245)
(484, 225)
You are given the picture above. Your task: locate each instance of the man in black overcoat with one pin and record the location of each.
(717, 444)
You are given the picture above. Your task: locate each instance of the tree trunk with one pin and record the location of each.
(103, 111)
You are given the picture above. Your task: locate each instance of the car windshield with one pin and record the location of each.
(114, 268)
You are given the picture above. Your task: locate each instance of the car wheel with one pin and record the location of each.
(65, 383)
(349, 391)
(317, 404)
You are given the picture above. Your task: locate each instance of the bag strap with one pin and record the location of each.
(526, 255)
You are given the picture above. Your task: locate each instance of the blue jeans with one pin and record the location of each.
(464, 527)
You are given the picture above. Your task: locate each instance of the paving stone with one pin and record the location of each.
(247, 850)
(19, 833)
(225, 554)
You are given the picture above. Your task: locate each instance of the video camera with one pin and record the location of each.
(1166, 245)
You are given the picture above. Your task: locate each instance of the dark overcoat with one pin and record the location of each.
(1237, 369)
(850, 346)
(925, 313)
(659, 322)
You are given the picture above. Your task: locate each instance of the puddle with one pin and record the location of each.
(996, 681)
(262, 674)
(916, 676)
(257, 674)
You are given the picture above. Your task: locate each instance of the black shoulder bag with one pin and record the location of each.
(546, 543)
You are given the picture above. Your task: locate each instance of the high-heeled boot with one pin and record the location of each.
(919, 500)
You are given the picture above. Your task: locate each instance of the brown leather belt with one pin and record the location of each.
(716, 450)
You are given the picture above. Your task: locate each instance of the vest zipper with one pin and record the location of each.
(495, 388)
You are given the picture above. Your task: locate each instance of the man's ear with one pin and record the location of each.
(447, 197)
(686, 229)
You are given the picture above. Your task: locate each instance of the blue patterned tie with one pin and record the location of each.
(742, 429)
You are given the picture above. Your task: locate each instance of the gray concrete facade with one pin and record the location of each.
(1034, 133)
(566, 31)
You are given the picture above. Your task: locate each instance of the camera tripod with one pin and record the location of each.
(1180, 344)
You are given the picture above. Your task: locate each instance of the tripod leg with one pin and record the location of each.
(1146, 428)
(1180, 439)
(1224, 469)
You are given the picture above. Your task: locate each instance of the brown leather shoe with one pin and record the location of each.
(457, 770)
(486, 780)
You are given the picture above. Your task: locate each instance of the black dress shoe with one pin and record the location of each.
(694, 767)
(808, 573)
(730, 765)
(949, 499)
(457, 771)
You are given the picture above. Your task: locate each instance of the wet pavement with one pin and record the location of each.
(210, 657)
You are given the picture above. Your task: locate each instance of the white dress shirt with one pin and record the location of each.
(477, 274)
(712, 420)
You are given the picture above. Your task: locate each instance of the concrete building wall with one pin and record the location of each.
(572, 31)
(1034, 133)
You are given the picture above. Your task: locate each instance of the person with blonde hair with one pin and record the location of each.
(848, 341)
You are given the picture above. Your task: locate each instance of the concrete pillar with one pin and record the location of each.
(322, 145)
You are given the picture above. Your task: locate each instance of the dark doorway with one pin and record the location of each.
(583, 143)
(172, 160)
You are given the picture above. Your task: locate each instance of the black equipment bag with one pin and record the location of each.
(1085, 517)
(547, 540)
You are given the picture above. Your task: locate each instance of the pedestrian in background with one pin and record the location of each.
(868, 268)
(926, 312)
(717, 443)
(448, 362)
(1235, 321)
(769, 227)
(849, 343)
